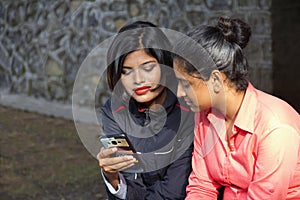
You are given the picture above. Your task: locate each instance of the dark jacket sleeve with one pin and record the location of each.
(109, 125)
(171, 186)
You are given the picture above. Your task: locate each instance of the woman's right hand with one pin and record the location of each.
(112, 165)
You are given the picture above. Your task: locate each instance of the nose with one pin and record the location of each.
(138, 76)
(180, 91)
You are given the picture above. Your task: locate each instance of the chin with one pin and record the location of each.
(194, 108)
(143, 99)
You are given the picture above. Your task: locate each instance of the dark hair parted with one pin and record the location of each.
(132, 37)
(224, 44)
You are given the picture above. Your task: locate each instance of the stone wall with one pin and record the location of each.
(44, 42)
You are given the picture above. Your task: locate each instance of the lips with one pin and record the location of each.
(188, 102)
(142, 90)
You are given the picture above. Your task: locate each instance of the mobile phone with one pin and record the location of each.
(124, 146)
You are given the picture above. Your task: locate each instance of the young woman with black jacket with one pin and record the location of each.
(144, 107)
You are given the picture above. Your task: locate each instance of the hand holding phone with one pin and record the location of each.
(124, 148)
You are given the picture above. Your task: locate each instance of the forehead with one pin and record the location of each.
(183, 76)
(137, 58)
(179, 69)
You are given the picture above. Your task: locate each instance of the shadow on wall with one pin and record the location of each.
(286, 44)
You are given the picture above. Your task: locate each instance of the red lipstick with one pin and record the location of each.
(142, 90)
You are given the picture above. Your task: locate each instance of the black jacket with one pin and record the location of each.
(164, 137)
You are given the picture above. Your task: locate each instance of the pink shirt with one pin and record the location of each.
(262, 159)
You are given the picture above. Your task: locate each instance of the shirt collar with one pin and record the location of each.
(246, 115)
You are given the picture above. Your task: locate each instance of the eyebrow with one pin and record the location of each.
(143, 64)
(182, 80)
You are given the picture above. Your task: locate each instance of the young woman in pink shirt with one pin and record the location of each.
(246, 141)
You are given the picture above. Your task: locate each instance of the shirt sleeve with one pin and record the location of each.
(201, 185)
(122, 187)
(275, 165)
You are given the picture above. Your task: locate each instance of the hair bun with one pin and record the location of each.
(235, 30)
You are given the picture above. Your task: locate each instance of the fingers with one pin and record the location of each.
(104, 153)
(114, 164)
(117, 163)
(125, 167)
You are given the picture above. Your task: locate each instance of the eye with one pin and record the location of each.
(149, 68)
(184, 84)
(126, 72)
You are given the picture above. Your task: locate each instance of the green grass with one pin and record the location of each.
(43, 158)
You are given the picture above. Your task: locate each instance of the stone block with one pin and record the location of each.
(265, 4)
(267, 50)
(55, 89)
(260, 22)
(118, 6)
(196, 17)
(265, 79)
(253, 50)
(134, 8)
(247, 4)
(195, 2)
(219, 4)
(53, 68)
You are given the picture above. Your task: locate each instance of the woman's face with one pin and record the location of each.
(195, 91)
(141, 74)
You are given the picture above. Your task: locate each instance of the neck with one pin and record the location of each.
(233, 103)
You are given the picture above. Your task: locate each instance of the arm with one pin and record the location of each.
(201, 184)
(115, 183)
(114, 194)
(171, 186)
(276, 161)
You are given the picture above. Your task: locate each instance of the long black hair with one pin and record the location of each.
(132, 37)
(224, 44)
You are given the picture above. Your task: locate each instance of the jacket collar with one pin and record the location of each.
(167, 106)
(139, 111)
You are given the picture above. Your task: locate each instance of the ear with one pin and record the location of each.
(216, 81)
